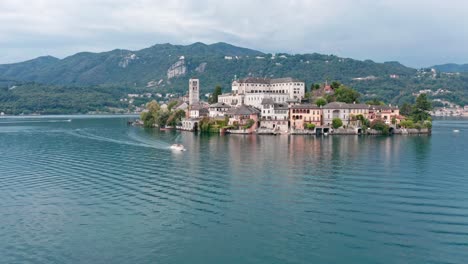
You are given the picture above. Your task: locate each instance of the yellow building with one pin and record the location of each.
(300, 115)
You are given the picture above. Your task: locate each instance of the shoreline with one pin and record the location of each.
(69, 115)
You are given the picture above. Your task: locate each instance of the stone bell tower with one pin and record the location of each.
(194, 91)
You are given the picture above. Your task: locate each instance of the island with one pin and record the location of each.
(283, 106)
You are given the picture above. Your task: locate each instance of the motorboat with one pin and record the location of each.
(456, 131)
(178, 147)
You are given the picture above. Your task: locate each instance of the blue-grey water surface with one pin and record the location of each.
(94, 190)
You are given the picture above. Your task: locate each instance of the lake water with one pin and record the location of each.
(94, 190)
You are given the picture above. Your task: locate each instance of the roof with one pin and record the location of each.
(267, 80)
(383, 107)
(244, 110)
(220, 105)
(305, 106)
(281, 106)
(182, 106)
(197, 106)
(267, 101)
(203, 111)
(341, 105)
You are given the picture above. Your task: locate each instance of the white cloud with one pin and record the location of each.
(414, 32)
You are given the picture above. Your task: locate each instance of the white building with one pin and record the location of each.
(219, 109)
(251, 91)
(189, 124)
(274, 115)
(343, 111)
(194, 91)
(198, 110)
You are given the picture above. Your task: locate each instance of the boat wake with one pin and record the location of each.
(135, 142)
(36, 121)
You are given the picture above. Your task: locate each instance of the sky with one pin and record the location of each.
(414, 32)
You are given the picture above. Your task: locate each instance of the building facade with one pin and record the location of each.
(384, 113)
(300, 115)
(219, 109)
(198, 110)
(346, 112)
(274, 116)
(240, 116)
(251, 91)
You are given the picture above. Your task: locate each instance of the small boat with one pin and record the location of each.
(456, 131)
(178, 147)
(325, 134)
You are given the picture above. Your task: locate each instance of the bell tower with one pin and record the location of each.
(194, 91)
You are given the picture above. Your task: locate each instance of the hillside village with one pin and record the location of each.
(282, 106)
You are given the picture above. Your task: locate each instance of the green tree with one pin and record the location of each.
(337, 123)
(171, 104)
(310, 126)
(375, 102)
(407, 123)
(175, 118)
(423, 103)
(320, 101)
(335, 85)
(421, 109)
(330, 98)
(150, 118)
(153, 106)
(406, 109)
(346, 95)
(218, 90)
(161, 119)
(249, 123)
(380, 125)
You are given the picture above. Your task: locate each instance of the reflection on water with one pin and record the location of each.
(97, 191)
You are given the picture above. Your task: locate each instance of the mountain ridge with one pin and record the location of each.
(166, 68)
(451, 67)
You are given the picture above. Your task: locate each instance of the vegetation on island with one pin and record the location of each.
(155, 116)
(345, 94)
(321, 102)
(310, 126)
(337, 123)
(218, 90)
(209, 125)
(418, 114)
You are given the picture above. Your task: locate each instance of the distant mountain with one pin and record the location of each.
(451, 67)
(25, 70)
(121, 67)
(171, 65)
(166, 68)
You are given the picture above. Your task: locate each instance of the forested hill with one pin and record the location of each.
(166, 68)
(451, 67)
(216, 63)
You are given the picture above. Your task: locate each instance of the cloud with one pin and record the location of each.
(418, 33)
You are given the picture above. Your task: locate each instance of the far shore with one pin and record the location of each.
(70, 115)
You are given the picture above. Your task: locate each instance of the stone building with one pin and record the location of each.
(194, 91)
